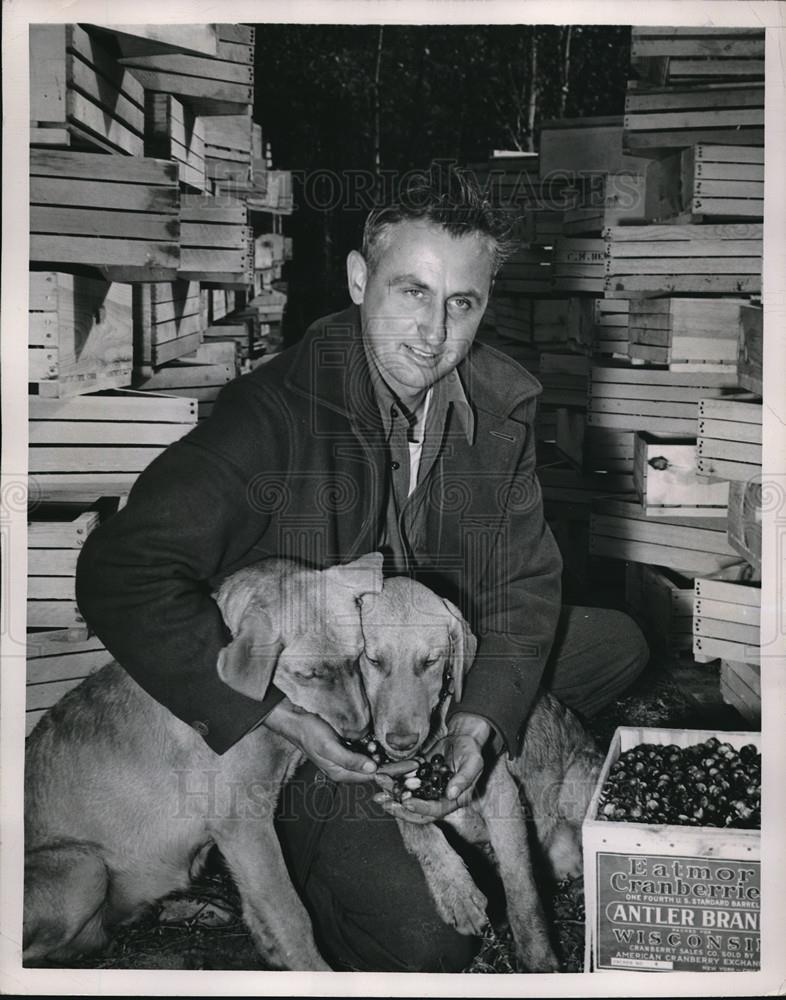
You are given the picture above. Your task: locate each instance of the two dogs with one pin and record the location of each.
(109, 829)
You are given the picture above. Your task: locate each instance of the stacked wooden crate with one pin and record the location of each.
(134, 252)
(690, 271)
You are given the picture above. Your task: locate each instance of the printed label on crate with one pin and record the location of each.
(677, 914)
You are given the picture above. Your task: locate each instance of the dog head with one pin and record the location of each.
(301, 629)
(412, 637)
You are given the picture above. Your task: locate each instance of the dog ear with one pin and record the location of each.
(248, 663)
(463, 646)
(363, 576)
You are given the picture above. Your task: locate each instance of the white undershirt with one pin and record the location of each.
(416, 447)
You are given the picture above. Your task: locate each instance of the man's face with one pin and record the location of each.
(422, 304)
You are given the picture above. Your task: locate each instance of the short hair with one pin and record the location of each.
(446, 197)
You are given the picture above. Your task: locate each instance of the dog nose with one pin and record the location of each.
(401, 741)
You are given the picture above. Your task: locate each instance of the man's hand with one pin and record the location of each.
(319, 742)
(463, 751)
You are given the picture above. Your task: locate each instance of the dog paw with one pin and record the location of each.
(458, 900)
(464, 907)
(535, 954)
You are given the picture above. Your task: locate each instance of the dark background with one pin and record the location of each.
(347, 108)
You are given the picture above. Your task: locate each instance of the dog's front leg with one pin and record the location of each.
(458, 900)
(272, 910)
(501, 809)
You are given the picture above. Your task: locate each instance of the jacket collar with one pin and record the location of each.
(329, 366)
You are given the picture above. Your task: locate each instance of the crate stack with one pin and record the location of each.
(137, 250)
(267, 196)
(690, 390)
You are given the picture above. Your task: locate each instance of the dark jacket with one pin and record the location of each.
(292, 462)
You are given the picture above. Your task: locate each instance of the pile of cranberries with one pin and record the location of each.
(709, 784)
(428, 779)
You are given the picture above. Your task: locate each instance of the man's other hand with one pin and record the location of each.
(462, 749)
(319, 742)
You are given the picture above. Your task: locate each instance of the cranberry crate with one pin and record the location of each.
(665, 890)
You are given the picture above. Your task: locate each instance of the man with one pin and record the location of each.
(384, 428)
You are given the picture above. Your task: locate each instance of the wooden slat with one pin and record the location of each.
(85, 432)
(61, 533)
(158, 260)
(711, 611)
(709, 99)
(745, 411)
(682, 249)
(121, 405)
(104, 95)
(95, 119)
(690, 561)
(667, 233)
(87, 487)
(53, 614)
(693, 265)
(728, 431)
(104, 194)
(52, 562)
(206, 93)
(94, 222)
(95, 167)
(61, 668)
(634, 285)
(43, 459)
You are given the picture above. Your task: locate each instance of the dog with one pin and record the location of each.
(416, 647)
(109, 829)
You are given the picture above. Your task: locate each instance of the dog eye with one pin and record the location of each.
(371, 660)
(431, 660)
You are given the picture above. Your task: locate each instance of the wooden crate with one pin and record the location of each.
(119, 214)
(562, 321)
(578, 265)
(79, 95)
(749, 349)
(618, 199)
(678, 117)
(593, 449)
(216, 242)
(512, 316)
(228, 146)
(694, 546)
(566, 490)
(671, 55)
(685, 259)
(173, 132)
(662, 600)
(194, 379)
(664, 856)
(210, 85)
(610, 326)
(564, 379)
(726, 621)
(729, 437)
(723, 181)
(58, 660)
(528, 270)
(667, 482)
(685, 331)
(80, 334)
(271, 190)
(740, 685)
(96, 445)
(54, 539)
(583, 146)
(646, 399)
(170, 321)
(744, 522)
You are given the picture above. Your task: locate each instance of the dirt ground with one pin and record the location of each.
(203, 929)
